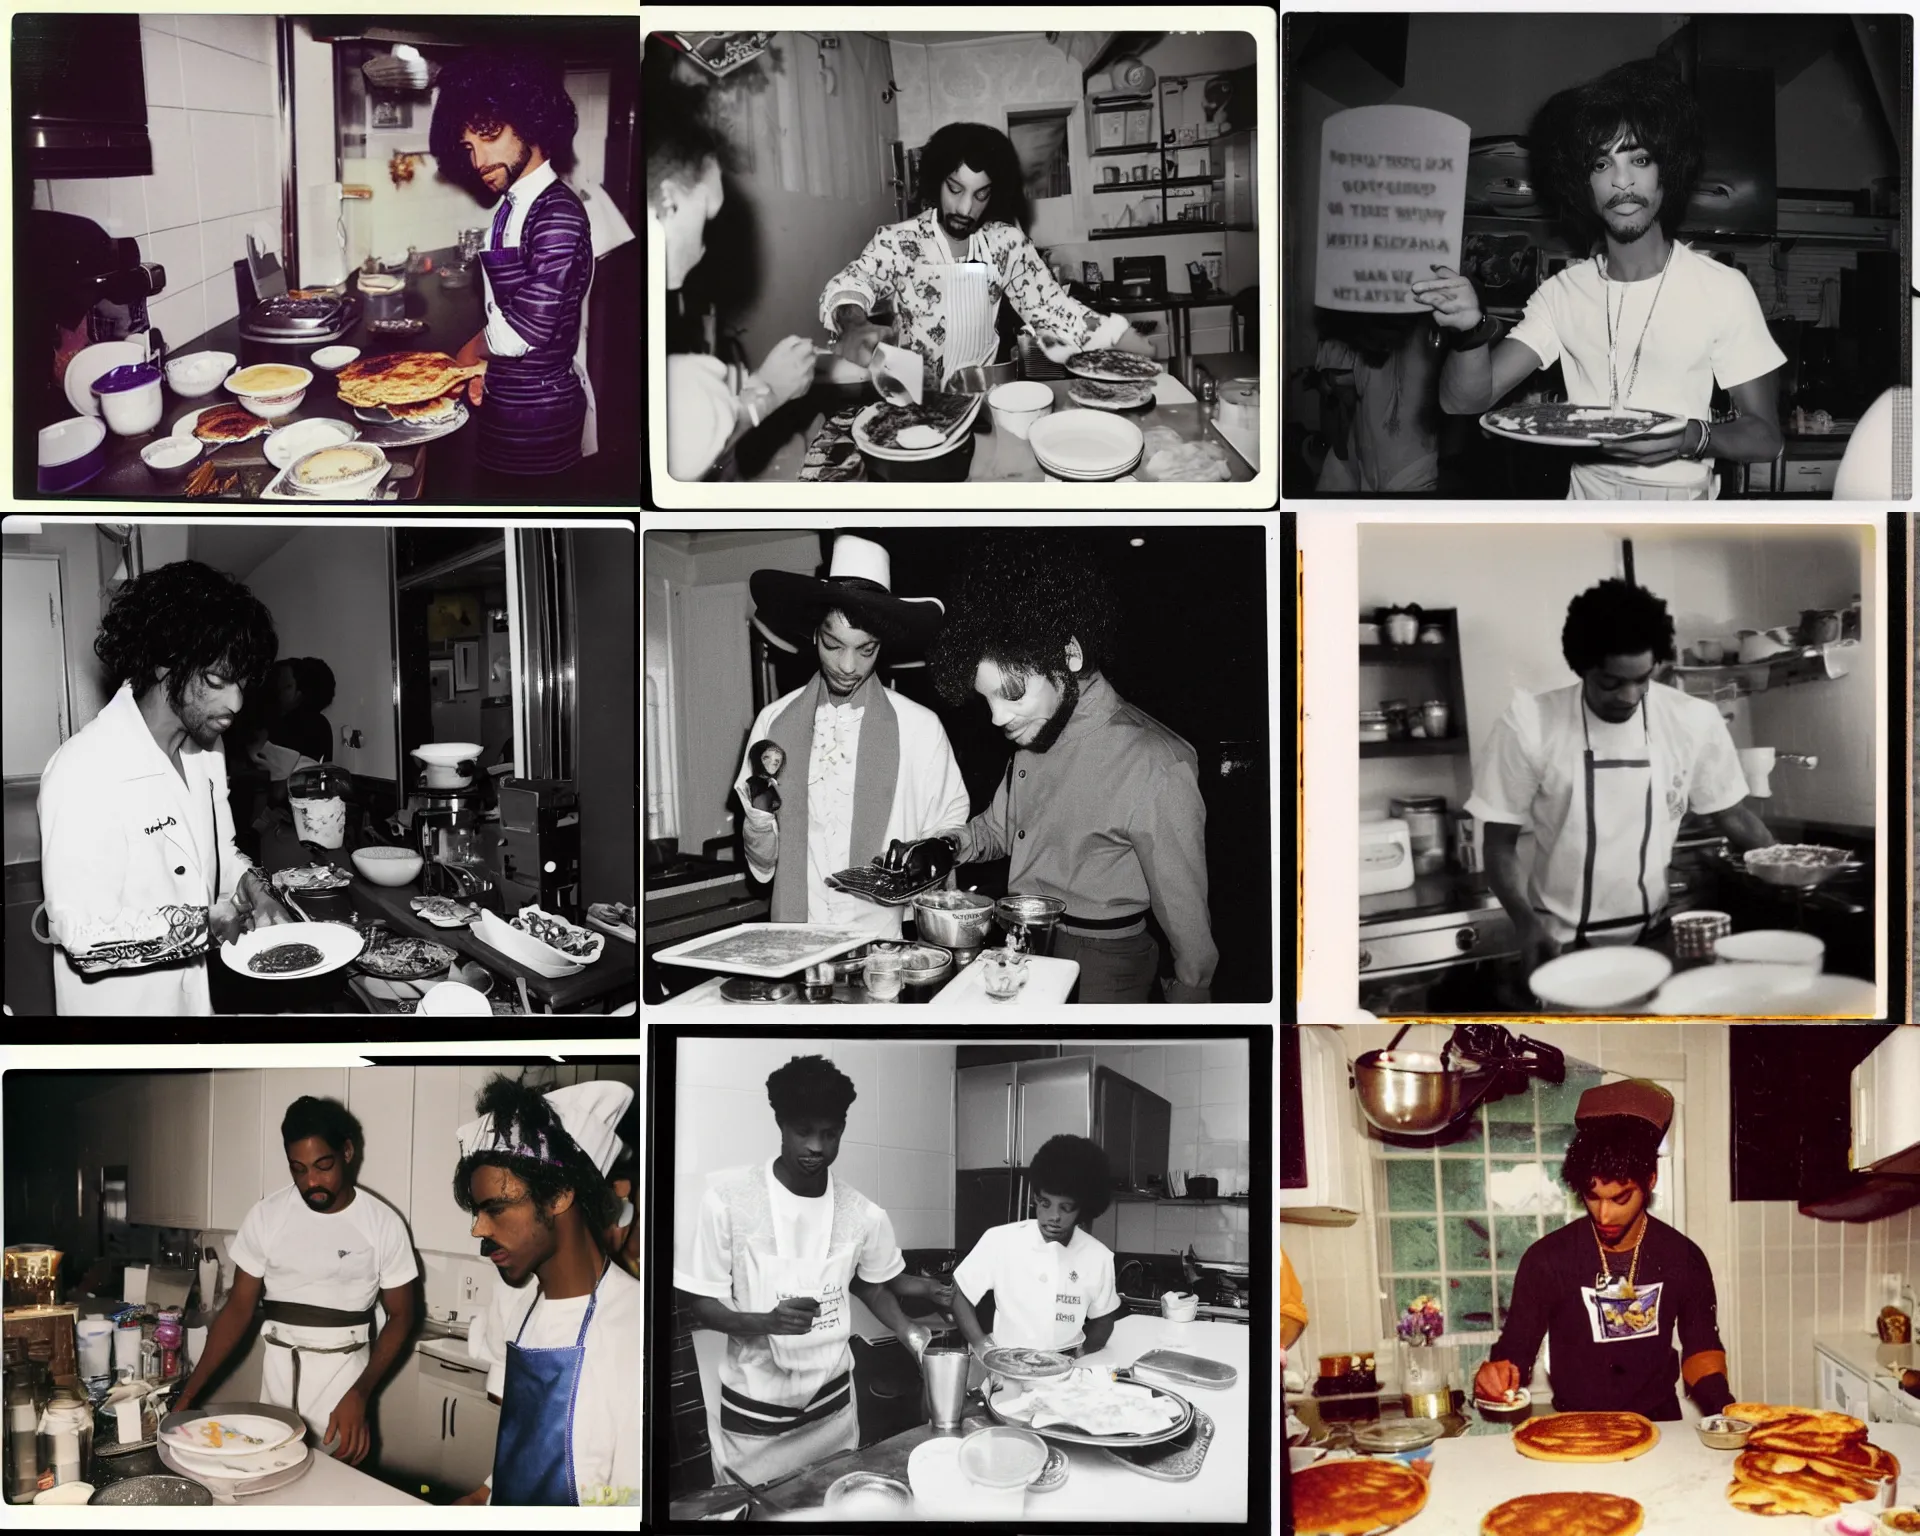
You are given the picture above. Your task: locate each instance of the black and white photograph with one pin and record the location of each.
(1045, 749)
(264, 257)
(341, 1285)
(985, 1276)
(1612, 256)
(1012, 256)
(1609, 768)
(1598, 1277)
(239, 782)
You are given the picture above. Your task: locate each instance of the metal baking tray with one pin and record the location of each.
(1188, 1370)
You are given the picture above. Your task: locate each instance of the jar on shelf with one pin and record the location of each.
(1434, 715)
(1399, 722)
(1373, 725)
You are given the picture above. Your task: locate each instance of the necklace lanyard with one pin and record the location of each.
(1606, 303)
(1603, 1282)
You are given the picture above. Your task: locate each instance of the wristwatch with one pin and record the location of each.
(1465, 341)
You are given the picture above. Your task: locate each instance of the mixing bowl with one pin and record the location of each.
(957, 919)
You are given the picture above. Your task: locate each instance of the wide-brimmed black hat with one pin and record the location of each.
(859, 582)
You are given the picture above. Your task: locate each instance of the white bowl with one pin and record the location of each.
(388, 866)
(189, 449)
(286, 444)
(1017, 406)
(194, 374)
(349, 487)
(1777, 946)
(334, 358)
(501, 935)
(450, 998)
(273, 403)
(1601, 980)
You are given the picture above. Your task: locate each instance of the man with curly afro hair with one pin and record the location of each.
(137, 852)
(503, 127)
(1646, 322)
(1051, 1279)
(1100, 805)
(1613, 1292)
(1602, 771)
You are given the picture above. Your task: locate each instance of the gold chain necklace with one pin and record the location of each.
(1604, 1281)
(1606, 303)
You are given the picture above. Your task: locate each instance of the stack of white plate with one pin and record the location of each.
(268, 1451)
(1082, 445)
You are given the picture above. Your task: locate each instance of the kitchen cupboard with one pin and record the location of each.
(1790, 1115)
(449, 1434)
(279, 1087)
(409, 1446)
(234, 1183)
(1133, 1125)
(984, 1133)
(381, 1099)
(439, 1110)
(167, 1177)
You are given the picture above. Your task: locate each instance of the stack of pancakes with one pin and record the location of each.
(419, 388)
(1804, 1461)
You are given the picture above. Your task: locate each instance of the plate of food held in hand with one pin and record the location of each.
(1356, 1498)
(920, 431)
(1564, 1514)
(1561, 424)
(1586, 1437)
(289, 951)
(1027, 1364)
(1111, 365)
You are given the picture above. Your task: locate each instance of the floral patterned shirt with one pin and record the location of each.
(946, 304)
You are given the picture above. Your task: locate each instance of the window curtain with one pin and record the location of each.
(803, 139)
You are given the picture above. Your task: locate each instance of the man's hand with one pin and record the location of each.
(1132, 341)
(1455, 305)
(1537, 947)
(348, 1424)
(269, 911)
(1494, 1380)
(1651, 450)
(858, 342)
(926, 858)
(788, 369)
(225, 922)
(794, 1315)
(475, 351)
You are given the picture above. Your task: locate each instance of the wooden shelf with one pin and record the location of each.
(1166, 227)
(1409, 653)
(1415, 746)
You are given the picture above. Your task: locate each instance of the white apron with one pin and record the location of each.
(328, 1368)
(1600, 876)
(818, 1365)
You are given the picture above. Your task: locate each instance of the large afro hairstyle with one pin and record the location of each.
(1659, 114)
(328, 1119)
(314, 678)
(981, 149)
(486, 89)
(187, 619)
(1613, 1149)
(508, 1103)
(810, 1088)
(1076, 1169)
(1615, 618)
(1019, 600)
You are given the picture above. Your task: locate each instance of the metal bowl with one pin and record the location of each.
(1804, 875)
(957, 919)
(922, 964)
(154, 1488)
(981, 380)
(1723, 1434)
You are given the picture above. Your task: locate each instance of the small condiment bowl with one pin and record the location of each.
(190, 450)
(334, 358)
(194, 374)
(1720, 1433)
(1514, 1412)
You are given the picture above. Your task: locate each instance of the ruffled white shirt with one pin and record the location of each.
(830, 773)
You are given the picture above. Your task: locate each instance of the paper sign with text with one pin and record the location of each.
(1393, 194)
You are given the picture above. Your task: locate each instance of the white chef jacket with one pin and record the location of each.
(931, 797)
(1526, 771)
(130, 859)
(1706, 329)
(1043, 1292)
(341, 1259)
(606, 1418)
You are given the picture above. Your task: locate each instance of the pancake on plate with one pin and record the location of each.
(1350, 1498)
(426, 413)
(229, 423)
(1113, 365)
(1586, 1437)
(1564, 1514)
(1112, 397)
(402, 378)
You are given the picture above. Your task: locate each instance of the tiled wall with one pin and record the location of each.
(212, 115)
(1207, 1084)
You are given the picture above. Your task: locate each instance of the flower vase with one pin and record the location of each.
(1425, 1371)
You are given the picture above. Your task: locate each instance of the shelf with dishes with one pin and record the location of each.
(1425, 642)
(1786, 668)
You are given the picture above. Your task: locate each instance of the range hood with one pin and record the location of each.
(80, 96)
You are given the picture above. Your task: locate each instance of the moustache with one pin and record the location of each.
(488, 1247)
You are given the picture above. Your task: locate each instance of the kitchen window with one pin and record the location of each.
(1456, 1212)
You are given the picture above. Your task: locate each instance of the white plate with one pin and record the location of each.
(909, 455)
(239, 1468)
(1759, 990)
(1083, 442)
(498, 934)
(1658, 425)
(270, 1433)
(285, 444)
(1601, 979)
(1054, 473)
(336, 942)
(90, 362)
(1772, 946)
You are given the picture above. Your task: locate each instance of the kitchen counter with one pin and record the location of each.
(1097, 1488)
(327, 1482)
(1681, 1484)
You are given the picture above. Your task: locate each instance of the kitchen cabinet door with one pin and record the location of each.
(279, 1087)
(1152, 1130)
(439, 1225)
(145, 1194)
(466, 1456)
(1113, 1123)
(188, 1132)
(1052, 1098)
(409, 1429)
(234, 1151)
(381, 1098)
(985, 1117)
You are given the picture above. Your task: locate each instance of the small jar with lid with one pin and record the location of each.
(1373, 725)
(1398, 714)
(1426, 819)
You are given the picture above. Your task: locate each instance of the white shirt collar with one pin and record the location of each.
(531, 185)
(1038, 1238)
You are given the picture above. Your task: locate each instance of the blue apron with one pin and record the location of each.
(533, 1456)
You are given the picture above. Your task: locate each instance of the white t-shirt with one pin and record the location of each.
(1042, 1292)
(606, 1417)
(1707, 328)
(343, 1259)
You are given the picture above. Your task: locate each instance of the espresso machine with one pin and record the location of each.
(75, 277)
(540, 845)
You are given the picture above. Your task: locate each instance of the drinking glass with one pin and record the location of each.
(883, 975)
